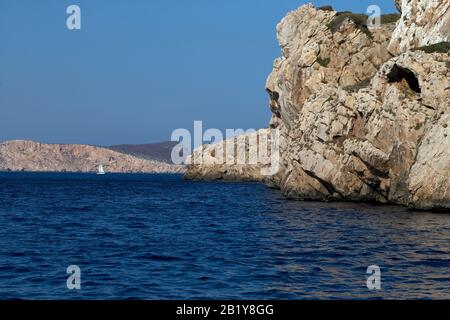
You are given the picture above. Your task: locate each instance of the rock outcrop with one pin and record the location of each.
(239, 158)
(346, 53)
(369, 145)
(423, 22)
(363, 113)
(38, 157)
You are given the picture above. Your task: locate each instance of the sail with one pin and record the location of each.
(100, 169)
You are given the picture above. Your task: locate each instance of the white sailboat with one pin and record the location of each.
(100, 169)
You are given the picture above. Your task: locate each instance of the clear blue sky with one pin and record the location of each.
(138, 69)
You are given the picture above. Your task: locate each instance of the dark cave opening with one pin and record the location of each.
(398, 74)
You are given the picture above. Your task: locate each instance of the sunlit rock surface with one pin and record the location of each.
(360, 119)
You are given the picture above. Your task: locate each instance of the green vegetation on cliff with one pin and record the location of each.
(359, 19)
(442, 47)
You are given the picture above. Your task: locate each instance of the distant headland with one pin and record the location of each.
(23, 155)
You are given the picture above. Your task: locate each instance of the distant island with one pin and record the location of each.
(23, 155)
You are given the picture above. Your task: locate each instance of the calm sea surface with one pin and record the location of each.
(159, 237)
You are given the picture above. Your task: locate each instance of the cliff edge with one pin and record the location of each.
(363, 112)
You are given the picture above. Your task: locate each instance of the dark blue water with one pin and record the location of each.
(159, 237)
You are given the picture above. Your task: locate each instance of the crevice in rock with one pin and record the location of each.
(398, 74)
(358, 86)
(274, 97)
(330, 188)
(372, 169)
(373, 186)
(441, 47)
(428, 107)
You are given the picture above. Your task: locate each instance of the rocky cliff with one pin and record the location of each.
(213, 162)
(363, 112)
(34, 156)
(423, 22)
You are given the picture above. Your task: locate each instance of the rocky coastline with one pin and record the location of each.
(364, 113)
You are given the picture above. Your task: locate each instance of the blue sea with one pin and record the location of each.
(160, 237)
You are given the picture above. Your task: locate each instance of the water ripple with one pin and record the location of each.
(159, 237)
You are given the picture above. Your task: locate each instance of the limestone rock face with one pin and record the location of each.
(385, 143)
(239, 158)
(429, 176)
(346, 55)
(38, 157)
(398, 4)
(318, 49)
(358, 123)
(423, 22)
